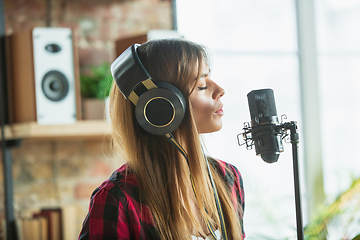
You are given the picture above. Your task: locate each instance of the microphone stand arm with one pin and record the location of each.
(294, 139)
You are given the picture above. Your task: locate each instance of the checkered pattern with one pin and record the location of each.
(116, 212)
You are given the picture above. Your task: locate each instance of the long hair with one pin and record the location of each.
(162, 172)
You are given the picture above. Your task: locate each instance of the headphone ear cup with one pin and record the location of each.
(161, 110)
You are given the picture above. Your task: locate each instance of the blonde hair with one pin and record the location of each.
(162, 173)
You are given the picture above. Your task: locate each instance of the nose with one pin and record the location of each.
(218, 91)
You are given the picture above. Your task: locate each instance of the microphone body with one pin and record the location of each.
(265, 127)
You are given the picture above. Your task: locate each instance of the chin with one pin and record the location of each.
(210, 130)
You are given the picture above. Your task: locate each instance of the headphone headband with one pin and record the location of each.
(137, 58)
(128, 66)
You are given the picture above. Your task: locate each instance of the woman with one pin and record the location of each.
(161, 192)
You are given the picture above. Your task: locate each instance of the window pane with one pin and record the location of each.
(339, 73)
(340, 100)
(338, 25)
(256, 25)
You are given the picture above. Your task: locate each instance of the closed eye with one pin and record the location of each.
(202, 88)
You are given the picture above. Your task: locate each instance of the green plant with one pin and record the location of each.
(343, 212)
(97, 83)
(357, 237)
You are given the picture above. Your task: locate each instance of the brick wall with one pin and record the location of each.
(64, 173)
(49, 174)
(97, 23)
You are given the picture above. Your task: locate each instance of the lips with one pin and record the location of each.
(220, 111)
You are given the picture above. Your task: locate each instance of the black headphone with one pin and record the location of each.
(159, 106)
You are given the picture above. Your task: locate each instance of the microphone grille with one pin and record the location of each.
(262, 105)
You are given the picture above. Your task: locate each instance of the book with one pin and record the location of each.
(54, 222)
(69, 225)
(33, 228)
(2, 228)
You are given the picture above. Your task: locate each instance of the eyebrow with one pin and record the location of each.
(204, 75)
(201, 76)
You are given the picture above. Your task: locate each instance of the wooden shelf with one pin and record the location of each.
(95, 129)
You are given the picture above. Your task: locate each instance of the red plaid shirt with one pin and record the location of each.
(116, 212)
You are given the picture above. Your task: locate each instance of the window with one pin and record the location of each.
(254, 46)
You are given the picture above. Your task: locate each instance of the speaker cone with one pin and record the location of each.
(55, 85)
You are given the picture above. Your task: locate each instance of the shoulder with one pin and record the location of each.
(228, 171)
(116, 210)
(232, 177)
(122, 186)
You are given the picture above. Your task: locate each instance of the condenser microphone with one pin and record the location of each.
(265, 130)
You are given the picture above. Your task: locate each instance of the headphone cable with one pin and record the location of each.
(175, 143)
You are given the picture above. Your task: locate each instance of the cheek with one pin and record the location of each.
(201, 107)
